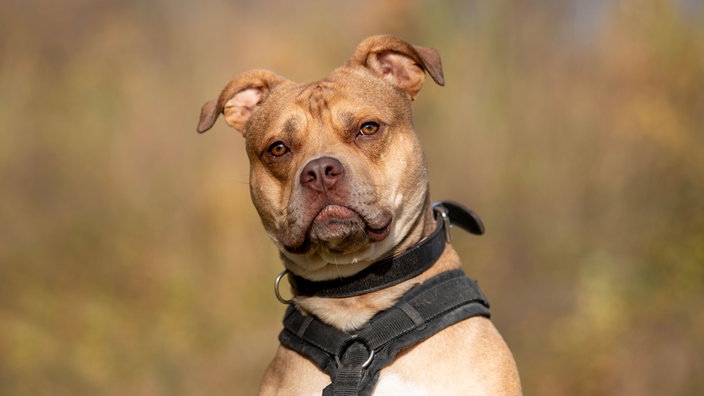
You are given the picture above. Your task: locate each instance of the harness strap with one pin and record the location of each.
(353, 361)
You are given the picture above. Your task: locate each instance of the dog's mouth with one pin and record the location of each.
(336, 219)
(340, 229)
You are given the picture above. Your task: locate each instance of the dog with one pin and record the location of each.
(339, 180)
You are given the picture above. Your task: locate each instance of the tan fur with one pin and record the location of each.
(335, 199)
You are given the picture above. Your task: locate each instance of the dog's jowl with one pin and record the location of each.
(337, 175)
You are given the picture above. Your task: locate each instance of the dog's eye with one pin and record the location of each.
(277, 149)
(369, 128)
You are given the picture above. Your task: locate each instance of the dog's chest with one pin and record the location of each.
(396, 385)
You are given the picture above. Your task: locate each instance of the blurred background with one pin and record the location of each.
(132, 260)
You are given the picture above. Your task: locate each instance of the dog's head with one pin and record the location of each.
(336, 171)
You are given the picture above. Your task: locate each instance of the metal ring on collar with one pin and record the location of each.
(445, 215)
(276, 288)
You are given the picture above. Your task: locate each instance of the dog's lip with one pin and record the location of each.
(335, 211)
(379, 234)
(344, 212)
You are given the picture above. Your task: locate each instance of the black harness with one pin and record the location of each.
(354, 360)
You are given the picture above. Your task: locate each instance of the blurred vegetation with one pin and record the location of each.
(132, 262)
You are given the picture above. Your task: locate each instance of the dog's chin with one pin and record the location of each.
(338, 230)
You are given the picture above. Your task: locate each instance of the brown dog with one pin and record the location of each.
(339, 180)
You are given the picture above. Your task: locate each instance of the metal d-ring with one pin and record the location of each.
(276, 288)
(350, 342)
(364, 365)
(445, 214)
(371, 357)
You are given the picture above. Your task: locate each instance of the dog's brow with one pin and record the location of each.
(290, 127)
(348, 120)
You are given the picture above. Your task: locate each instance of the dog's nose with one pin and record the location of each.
(321, 174)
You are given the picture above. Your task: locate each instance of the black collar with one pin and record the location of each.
(395, 269)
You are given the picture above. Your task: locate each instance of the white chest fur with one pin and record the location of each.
(395, 385)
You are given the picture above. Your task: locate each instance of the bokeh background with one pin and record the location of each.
(133, 263)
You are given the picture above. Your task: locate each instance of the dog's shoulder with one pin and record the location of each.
(292, 374)
(467, 358)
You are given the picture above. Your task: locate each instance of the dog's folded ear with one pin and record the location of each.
(399, 62)
(239, 99)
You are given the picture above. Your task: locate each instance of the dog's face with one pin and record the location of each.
(336, 171)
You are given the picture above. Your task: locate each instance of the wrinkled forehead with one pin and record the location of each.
(338, 101)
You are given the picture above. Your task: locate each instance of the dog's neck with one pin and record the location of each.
(350, 302)
(350, 313)
(399, 267)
